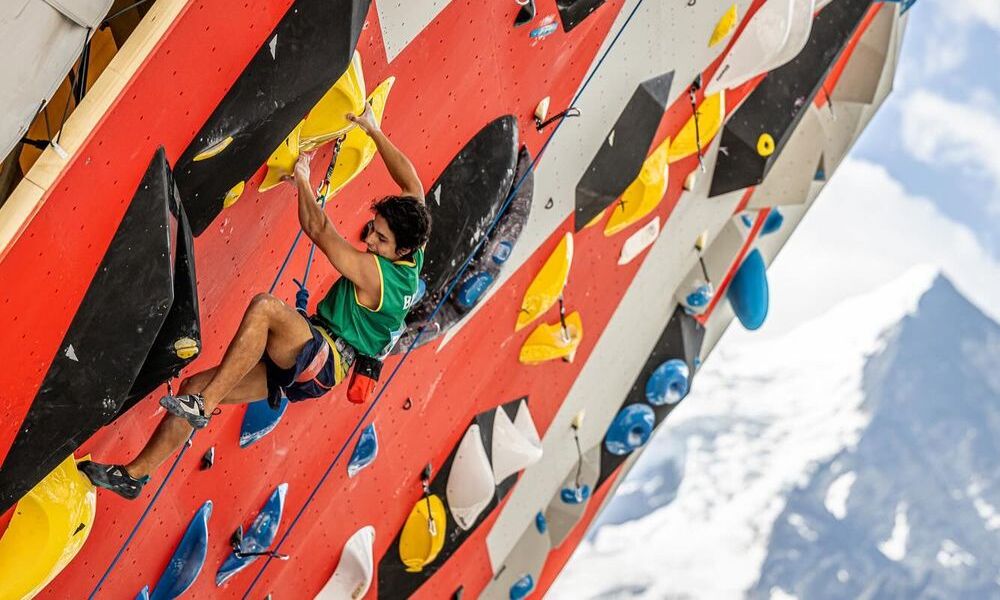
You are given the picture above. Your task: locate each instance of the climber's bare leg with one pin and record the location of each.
(268, 324)
(173, 431)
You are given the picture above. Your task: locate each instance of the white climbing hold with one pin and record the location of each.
(71, 353)
(273, 45)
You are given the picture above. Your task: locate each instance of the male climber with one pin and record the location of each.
(276, 351)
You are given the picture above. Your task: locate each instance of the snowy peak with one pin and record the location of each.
(912, 509)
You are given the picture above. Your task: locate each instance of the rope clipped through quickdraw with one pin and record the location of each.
(695, 86)
(425, 482)
(302, 296)
(704, 269)
(579, 454)
(236, 543)
(572, 111)
(566, 337)
(451, 287)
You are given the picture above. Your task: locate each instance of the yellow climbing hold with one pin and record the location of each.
(213, 149)
(711, 114)
(233, 194)
(548, 285)
(49, 526)
(725, 26)
(282, 160)
(765, 145)
(643, 194)
(548, 342)
(327, 120)
(423, 534)
(358, 148)
(185, 348)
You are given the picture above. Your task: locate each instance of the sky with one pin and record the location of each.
(922, 184)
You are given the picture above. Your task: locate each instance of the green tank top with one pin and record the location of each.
(372, 332)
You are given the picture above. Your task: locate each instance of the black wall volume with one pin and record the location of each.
(179, 340)
(681, 338)
(777, 105)
(619, 160)
(465, 199)
(107, 342)
(307, 52)
(573, 12)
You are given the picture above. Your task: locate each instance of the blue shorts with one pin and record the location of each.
(322, 363)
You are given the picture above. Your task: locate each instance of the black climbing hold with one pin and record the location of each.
(573, 12)
(526, 14)
(107, 342)
(308, 50)
(208, 460)
(407, 404)
(777, 105)
(619, 159)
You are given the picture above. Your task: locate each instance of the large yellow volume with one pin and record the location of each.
(282, 160)
(548, 342)
(327, 120)
(644, 194)
(548, 285)
(711, 114)
(423, 534)
(358, 148)
(49, 526)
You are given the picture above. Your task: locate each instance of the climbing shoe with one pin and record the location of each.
(190, 407)
(114, 478)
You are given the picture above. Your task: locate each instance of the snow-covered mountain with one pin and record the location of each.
(855, 456)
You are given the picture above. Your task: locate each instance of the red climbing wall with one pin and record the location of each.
(467, 67)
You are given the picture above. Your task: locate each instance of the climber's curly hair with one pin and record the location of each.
(408, 218)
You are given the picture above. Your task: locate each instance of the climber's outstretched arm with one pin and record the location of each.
(352, 263)
(399, 166)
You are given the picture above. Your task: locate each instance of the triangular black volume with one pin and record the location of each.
(307, 52)
(181, 331)
(620, 157)
(777, 105)
(107, 341)
(573, 12)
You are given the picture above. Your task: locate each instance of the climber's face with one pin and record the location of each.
(381, 240)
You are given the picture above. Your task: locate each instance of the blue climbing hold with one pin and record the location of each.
(630, 429)
(473, 289)
(540, 523)
(421, 290)
(748, 293)
(773, 222)
(669, 383)
(143, 593)
(502, 252)
(522, 587)
(188, 558)
(259, 420)
(575, 495)
(697, 301)
(365, 451)
(258, 538)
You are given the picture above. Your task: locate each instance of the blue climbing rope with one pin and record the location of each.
(444, 297)
(284, 264)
